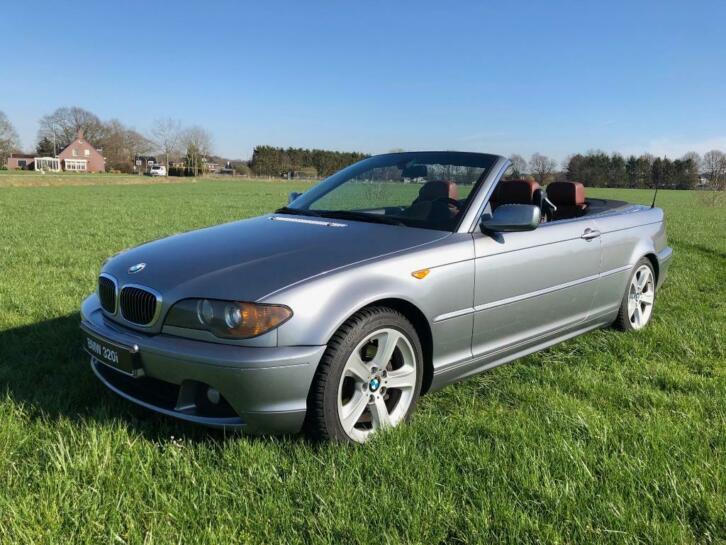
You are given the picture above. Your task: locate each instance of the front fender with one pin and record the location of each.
(323, 304)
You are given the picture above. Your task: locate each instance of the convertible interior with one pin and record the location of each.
(438, 201)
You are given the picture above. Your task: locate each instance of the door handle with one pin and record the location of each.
(590, 234)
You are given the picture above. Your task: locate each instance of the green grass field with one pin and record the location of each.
(608, 438)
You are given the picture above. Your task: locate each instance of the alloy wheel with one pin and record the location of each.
(378, 384)
(641, 297)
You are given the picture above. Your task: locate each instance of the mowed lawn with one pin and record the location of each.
(608, 438)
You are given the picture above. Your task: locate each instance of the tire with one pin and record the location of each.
(357, 389)
(636, 308)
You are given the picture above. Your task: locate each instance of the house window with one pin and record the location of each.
(22, 164)
(76, 165)
(52, 164)
(87, 152)
(73, 152)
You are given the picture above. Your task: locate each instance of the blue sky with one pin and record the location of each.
(553, 77)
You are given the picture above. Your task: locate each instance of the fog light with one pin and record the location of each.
(213, 395)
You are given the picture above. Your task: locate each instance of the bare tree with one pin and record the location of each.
(541, 167)
(9, 140)
(714, 168)
(167, 136)
(519, 165)
(199, 138)
(198, 144)
(122, 145)
(62, 126)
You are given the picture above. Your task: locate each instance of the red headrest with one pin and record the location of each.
(515, 192)
(566, 193)
(438, 189)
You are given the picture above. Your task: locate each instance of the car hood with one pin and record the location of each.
(248, 259)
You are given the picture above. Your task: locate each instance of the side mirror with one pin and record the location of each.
(292, 196)
(512, 217)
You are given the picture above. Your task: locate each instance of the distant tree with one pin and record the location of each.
(519, 165)
(541, 167)
(693, 156)
(62, 126)
(575, 169)
(9, 141)
(714, 167)
(638, 172)
(271, 161)
(167, 137)
(616, 171)
(44, 147)
(198, 144)
(122, 144)
(686, 174)
(242, 168)
(658, 172)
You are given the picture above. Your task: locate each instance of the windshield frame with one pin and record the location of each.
(485, 161)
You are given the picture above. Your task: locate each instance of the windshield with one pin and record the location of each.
(429, 190)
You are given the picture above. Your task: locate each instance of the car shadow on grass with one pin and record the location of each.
(703, 250)
(44, 369)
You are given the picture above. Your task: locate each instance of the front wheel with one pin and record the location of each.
(369, 378)
(636, 307)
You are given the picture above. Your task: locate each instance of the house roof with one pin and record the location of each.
(85, 144)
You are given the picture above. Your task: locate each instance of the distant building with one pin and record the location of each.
(80, 156)
(143, 163)
(22, 161)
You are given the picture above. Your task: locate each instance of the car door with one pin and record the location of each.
(533, 285)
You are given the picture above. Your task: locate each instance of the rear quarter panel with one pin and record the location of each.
(627, 236)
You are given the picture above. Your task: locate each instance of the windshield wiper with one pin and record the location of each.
(360, 216)
(296, 212)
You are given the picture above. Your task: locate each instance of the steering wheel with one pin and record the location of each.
(449, 200)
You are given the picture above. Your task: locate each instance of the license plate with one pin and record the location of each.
(121, 358)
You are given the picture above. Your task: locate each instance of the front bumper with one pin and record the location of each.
(264, 390)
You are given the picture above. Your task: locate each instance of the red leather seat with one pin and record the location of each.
(437, 189)
(516, 192)
(432, 205)
(568, 197)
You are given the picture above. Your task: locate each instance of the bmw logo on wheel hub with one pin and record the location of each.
(374, 384)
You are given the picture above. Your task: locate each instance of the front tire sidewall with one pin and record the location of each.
(362, 325)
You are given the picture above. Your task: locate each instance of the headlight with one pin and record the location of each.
(227, 319)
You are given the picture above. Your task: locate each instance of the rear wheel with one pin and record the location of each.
(636, 307)
(369, 378)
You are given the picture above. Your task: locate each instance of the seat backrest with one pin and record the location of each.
(431, 204)
(516, 192)
(438, 189)
(568, 197)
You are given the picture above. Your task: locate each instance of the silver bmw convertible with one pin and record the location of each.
(394, 277)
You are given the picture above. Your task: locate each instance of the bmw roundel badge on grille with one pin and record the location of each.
(137, 268)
